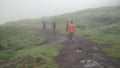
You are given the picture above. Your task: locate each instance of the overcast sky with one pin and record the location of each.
(11, 10)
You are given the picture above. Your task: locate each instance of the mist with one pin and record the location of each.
(11, 10)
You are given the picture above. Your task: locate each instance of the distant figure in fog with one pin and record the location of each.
(54, 27)
(67, 24)
(44, 29)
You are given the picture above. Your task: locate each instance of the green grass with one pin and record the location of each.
(103, 35)
(113, 51)
(110, 40)
(6, 55)
(43, 56)
(23, 43)
(49, 49)
(16, 38)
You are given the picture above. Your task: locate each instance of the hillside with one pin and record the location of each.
(24, 40)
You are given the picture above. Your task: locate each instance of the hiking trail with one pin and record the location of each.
(83, 54)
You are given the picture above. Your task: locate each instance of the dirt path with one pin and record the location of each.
(83, 54)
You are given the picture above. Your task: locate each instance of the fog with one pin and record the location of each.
(11, 10)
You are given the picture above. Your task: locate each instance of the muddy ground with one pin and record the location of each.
(83, 54)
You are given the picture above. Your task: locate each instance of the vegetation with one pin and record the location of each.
(26, 47)
(39, 57)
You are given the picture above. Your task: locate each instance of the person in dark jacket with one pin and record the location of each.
(44, 29)
(67, 24)
(54, 27)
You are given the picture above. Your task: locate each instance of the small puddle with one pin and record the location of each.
(79, 50)
(89, 63)
(95, 48)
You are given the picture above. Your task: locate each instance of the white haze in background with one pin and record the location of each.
(11, 10)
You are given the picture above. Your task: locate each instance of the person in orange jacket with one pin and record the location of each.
(71, 30)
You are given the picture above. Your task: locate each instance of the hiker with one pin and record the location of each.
(44, 29)
(54, 27)
(67, 26)
(71, 30)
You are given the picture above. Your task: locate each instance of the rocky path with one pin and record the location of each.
(82, 54)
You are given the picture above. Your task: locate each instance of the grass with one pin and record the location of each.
(6, 55)
(113, 51)
(110, 40)
(43, 56)
(33, 57)
(16, 38)
(23, 44)
(105, 35)
(38, 50)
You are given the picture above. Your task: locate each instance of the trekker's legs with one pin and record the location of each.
(44, 30)
(71, 36)
(54, 31)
